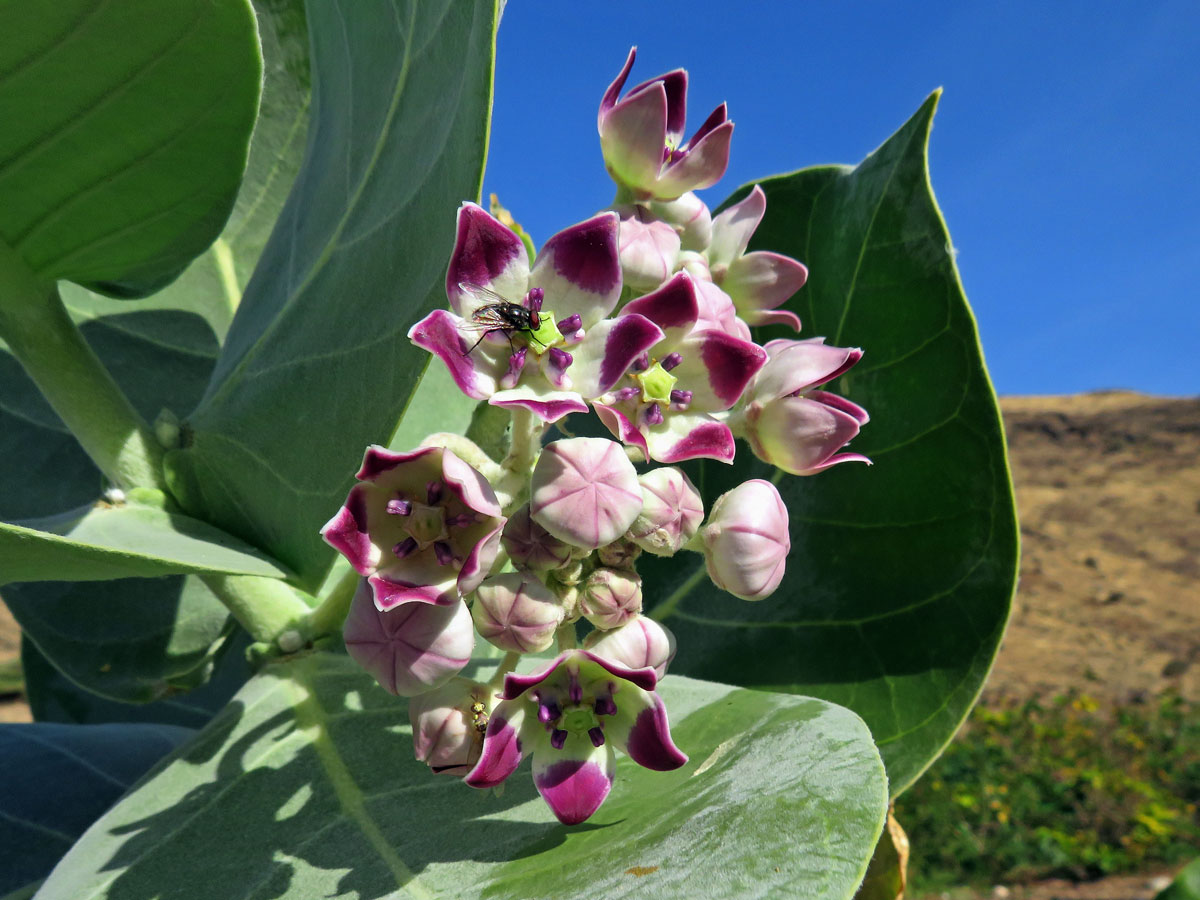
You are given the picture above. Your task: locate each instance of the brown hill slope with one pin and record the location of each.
(1108, 488)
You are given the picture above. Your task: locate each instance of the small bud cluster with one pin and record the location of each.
(642, 313)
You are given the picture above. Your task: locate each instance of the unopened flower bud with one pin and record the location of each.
(411, 648)
(671, 511)
(530, 546)
(648, 247)
(690, 218)
(639, 643)
(516, 612)
(448, 725)
(584, 491)
(746, 540)
(611, 597)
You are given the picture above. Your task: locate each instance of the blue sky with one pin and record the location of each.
(1064, 153)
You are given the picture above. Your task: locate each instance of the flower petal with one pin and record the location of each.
(502, 747)
(486, 253)
(674, 308)
(574, 781)
(609, 100)
(390, 591)
(479, 561)
(580, 269)
(763, 280)
(621, 427)
(732, 228)
(347, 532)
(469, 485)
(640, 728)
(690, 435)
(608, 349)
(549, 406)
(716, 368)
(633, 135)
(675, 84)
(441, 333)
(701, 166)
(799, 365)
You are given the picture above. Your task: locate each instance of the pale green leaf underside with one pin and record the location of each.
(127, 541)
(900, 577)
(783, 796)
(317, 363)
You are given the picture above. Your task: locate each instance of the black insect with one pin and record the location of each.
(501, 316)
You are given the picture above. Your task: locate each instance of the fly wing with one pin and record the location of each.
(476, 297)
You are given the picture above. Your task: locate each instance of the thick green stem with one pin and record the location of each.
(35, 325)
(566, 637)
(270, 610)
(511, 658)
(527, 430)
(330, 614)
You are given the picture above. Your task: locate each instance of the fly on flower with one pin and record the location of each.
(498, 315)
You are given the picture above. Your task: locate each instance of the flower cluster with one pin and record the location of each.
(641, 313)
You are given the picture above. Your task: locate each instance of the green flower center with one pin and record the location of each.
(656, 383)
(546, 335)
(426, 524)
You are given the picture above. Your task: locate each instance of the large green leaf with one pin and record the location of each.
(901, 574)
(125, 134)
(305, 787)
(53, 697)
(212, 285)
(317, 363)
(131, 540)
(83, 768)
(134, 640)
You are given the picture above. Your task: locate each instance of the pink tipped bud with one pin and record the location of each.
(649, 248)
(611, 597)
(516, 612)
(584, 491)
(448, 725)
(639, 643)
(671, 512)
(411, 648)
(690, 218)
(530, 546)
(746, 540)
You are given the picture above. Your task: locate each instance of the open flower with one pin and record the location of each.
(790, 424)
(756, 282)
(421, 526)
(641, 134)
(664, 404)
(533, 337)
(569, 716)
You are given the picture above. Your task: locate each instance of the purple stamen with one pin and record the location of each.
(570, 323)
(641, 363)
(605, 706)
(597, 736)
(399, 507)
(670, 361)
(444, 554)
(626, 393)
(556, 365)
(558, 737)
(681, 399)
(433, 492)
(404, 548)
(516, 362)
(548, 711)
(533, 300)
(654, 415)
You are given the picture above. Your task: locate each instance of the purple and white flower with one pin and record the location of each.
(791, 424)
(611, 597)
(638, 643)
(664, 404)
(641, 136)
(569, 717)
(584, 491)
(746, 540)
(448, 725)
(569, 351)
(421, 526)
(516, 612)
(671, 511)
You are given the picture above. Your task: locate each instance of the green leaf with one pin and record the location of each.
(901, 575)
(212, 284)
(305, 787)
(53, 697)
(134, 640)
(125, 134)
(317, 363)
(61, 778)
(1186, 885)
(132, 540)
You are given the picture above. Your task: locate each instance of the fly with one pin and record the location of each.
(500, 316)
